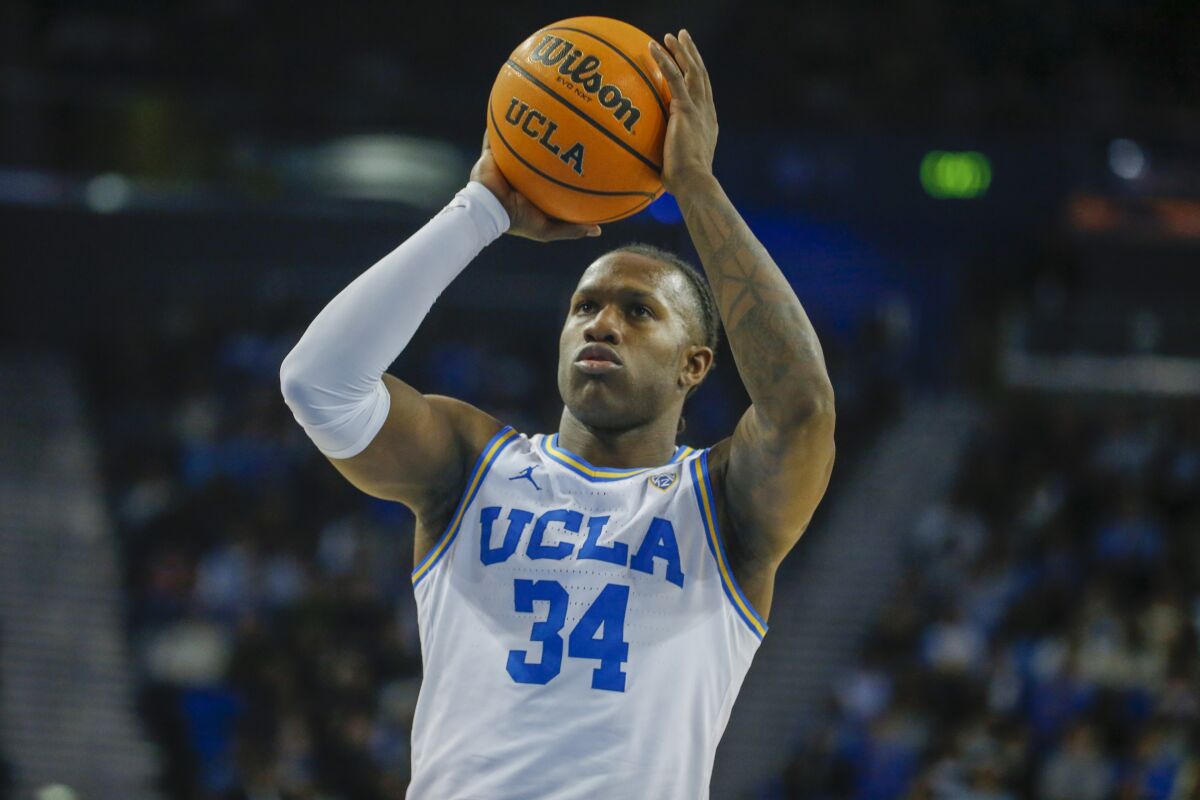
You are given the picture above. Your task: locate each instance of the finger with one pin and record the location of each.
(556, 231)
(670, 69)
(691, 71)
(685, 36)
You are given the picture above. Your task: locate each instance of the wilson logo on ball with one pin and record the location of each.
(557, 51)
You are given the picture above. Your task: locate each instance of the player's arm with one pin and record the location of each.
(776, 465)
(423, 451)
(384, 436)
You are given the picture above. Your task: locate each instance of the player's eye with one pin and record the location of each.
(642, 311)
(584, 306)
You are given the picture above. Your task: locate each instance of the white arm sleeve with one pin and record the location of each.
(332, 380)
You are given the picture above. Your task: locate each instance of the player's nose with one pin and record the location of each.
(604, 327)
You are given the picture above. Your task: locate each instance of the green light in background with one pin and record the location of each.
(949, 174)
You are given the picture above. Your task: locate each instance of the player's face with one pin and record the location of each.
(625, 343)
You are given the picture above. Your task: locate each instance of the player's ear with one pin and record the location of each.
(697, 362)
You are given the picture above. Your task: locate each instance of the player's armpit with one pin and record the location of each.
(423, 452)
(772, 480)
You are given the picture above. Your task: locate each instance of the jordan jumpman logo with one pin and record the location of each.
(528, 474)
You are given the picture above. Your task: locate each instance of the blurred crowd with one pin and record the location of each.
(269, 602)
(1045, 641)
(1003, 64)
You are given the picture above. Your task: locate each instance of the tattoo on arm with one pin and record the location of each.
(774, 344)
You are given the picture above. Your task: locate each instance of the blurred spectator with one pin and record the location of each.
(1077, 769)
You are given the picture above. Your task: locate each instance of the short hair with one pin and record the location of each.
(710, 320)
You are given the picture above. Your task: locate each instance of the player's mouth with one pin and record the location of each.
(597, 359)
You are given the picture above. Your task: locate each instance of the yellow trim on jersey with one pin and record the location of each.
(726, 577)
(587, 469)
(480, 470)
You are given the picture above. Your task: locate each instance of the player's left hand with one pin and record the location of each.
(525, 219)
(692, 125)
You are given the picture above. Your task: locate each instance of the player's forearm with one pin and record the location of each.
(331, 379)
(776, 349)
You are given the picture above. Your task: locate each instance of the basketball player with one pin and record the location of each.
(589, 600)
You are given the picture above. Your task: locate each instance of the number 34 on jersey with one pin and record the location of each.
(600, 633)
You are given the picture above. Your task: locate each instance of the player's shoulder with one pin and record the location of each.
(474, 426)
(482, 440)
(483, 437)
(717, 456)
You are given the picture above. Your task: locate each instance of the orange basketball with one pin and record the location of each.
(577, 119)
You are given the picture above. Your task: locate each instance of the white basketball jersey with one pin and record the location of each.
(581, 631)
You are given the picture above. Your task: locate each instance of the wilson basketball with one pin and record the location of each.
(577, 119)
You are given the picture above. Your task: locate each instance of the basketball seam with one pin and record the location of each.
(627, 213)
(657, 98)
(615, 139)
(551, 178)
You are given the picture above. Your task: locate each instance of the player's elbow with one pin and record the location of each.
(817, 405)
(288, 378)
(295, 384)
(819, 421)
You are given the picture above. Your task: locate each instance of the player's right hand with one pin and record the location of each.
(525, 219)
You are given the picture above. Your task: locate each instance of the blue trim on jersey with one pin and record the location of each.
(487, 457)
(705, 499)
(580, 466)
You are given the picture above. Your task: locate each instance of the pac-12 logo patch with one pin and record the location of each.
(663, 480)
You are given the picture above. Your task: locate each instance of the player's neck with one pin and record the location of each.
(648, 445)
